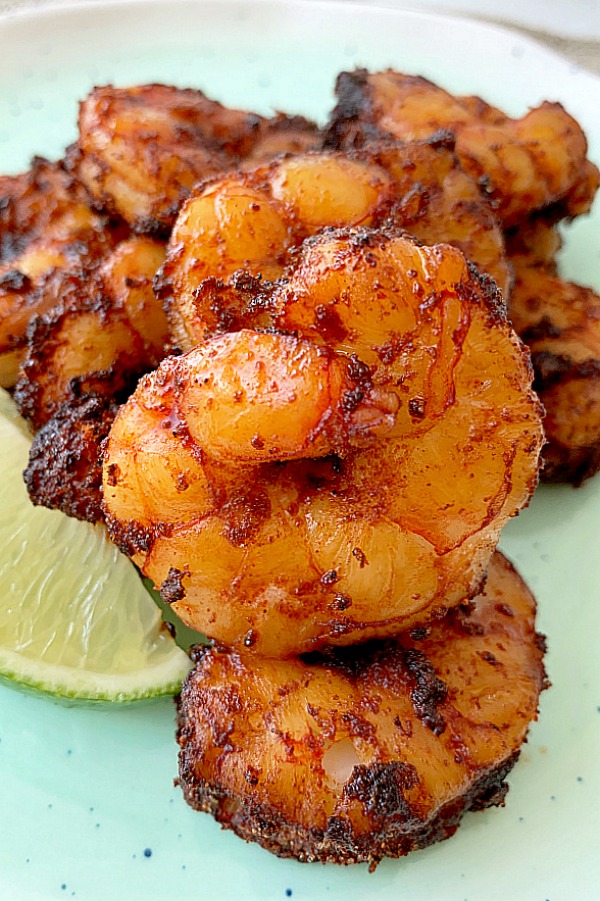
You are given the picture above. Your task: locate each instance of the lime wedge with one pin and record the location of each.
(75, 619)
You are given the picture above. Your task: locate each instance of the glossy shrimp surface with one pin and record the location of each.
(142, 149)
(252, 221)
(104, 329)
(371, 751)
(345, 479)
(45, 226)
(522, 164)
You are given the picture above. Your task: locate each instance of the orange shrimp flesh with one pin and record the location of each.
(103, 330)
(522, 164)
(284, 525)
(560, 322)
(142, 149)
(45, 226)
(252, 221)
(372, 751)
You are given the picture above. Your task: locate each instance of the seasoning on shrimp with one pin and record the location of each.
(366, 752)
(103, 330)
(560, 322)
(142, 149)
(343, 474)
(253, 220)
(522, 164)
(64, 471)
(45, 226)
(535, 172)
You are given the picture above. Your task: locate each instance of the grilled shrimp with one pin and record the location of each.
(345, 479)
(64, 471)
(253, 220)
(438, 202)
(522, 164)
(45, 226)
(371, 751)
(142, 149)
(560, 322)
(44, 202)
(279, 135)
(104, 329)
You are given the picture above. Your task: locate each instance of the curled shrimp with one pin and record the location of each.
(45, 226)
(43, 202)
(142, 149)
(522, 164)
(103, 330)
(253, 220)
(560, 322)
(371, 751)
(345, 478)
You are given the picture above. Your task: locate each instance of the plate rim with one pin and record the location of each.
(49, 9)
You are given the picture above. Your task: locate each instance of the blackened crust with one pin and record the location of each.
(397, 835)
(571, 460)
(352, 123)
(366, 752)
(65, 460)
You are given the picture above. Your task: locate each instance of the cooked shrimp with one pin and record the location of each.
(368, 752)
(65, 463)
(45, 225)
(522, 164)
(253, 220)
(347, 482)
(281, 135)
(142, 149)
(536, 241)
(560, 322)
(439, 203)
(106, 329)
(43, 203)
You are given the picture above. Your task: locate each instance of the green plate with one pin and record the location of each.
(88, 807)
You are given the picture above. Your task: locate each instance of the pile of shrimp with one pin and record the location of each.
(278, 363)
(536, 174)
(80, 242)
(365, 752)
(367, 416)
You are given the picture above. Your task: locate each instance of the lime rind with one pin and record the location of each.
(62, 682)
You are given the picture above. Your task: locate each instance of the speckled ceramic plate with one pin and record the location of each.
(88, 809)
